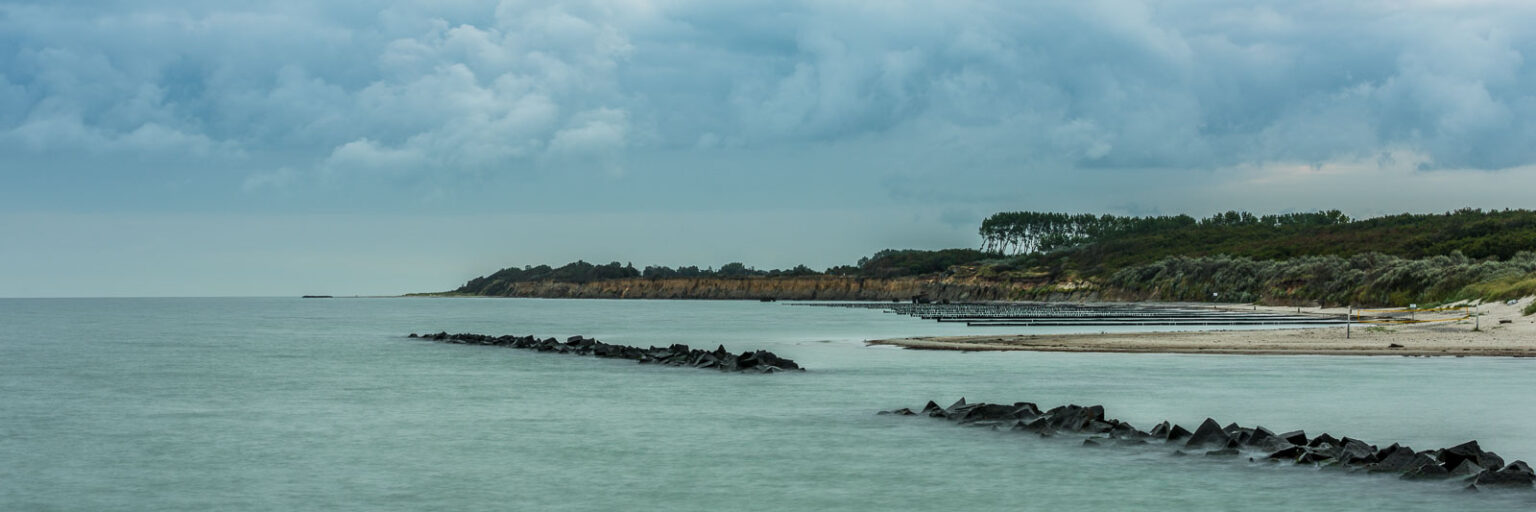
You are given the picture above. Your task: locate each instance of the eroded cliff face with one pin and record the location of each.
(791, 288)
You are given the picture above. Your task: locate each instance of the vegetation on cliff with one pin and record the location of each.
(885, 264)
(1322, 257)
(1234, 256)
(1331, 280)
(1106, 243)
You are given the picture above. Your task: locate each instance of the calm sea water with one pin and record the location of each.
(283, 404)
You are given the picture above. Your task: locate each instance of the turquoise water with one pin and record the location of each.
(281, 404)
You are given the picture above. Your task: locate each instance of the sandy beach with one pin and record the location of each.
(1501, 331)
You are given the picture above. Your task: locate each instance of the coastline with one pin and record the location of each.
(1457, 339)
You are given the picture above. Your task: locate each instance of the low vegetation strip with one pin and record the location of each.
(1363, 279)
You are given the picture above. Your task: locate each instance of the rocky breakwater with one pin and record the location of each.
(759, 361)
(1465, 463)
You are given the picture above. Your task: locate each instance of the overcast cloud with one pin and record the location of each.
(947, 111)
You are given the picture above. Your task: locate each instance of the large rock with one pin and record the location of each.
(1125, 431)
(1425, 467)
(995, 413)
(1296, 437)
(1075, 418)
(1516, 474)
(1354, 452)
(1290, 454)
(1208, 433)
(1398, 459)
(1452, 456)
(958, 409)
(1177, 433)
(1265, 439)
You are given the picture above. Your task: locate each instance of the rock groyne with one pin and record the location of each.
(759, 361)
(1466, 462)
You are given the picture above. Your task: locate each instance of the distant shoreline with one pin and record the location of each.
(1494, 339)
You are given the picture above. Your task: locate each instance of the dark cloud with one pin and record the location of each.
(297, 94)
(432, 140)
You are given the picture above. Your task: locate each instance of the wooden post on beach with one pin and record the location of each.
(1477, 320)
(1349, 320)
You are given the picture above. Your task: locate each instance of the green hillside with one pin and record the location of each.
(1322, 257)
(1103, 244)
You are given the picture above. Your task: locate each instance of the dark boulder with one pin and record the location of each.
(992, 413)
(958, 409)
(933, 409)
(1323, 439)
(1027, 410)
(1296, 437)
(1264, 439)
(1425, 467)
(1290, 454)
(1355, 452)
(1466, 469)
(1177, 433)
(1452, 456)
(1383, 453)
(1209, 432)
(1098, 427)
(1075, 418)
(1398, 460)
(1516, 474)
(1127, 431)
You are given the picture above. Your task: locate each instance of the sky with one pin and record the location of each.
(278, 148)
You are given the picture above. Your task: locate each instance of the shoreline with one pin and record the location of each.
(1517, 338)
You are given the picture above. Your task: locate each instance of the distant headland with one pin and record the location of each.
(1323, 258)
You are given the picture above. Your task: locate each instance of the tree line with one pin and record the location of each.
(884, 264)
(1039, 232)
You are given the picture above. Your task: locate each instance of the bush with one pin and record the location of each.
(911, 262)
(1362, 280)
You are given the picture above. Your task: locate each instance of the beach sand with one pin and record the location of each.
(1516, 338)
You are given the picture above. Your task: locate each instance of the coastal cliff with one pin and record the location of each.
(791, 288)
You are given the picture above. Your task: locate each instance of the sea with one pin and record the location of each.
(242, 404)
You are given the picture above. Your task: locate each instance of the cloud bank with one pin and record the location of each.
(418, 87)
(916, 117)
